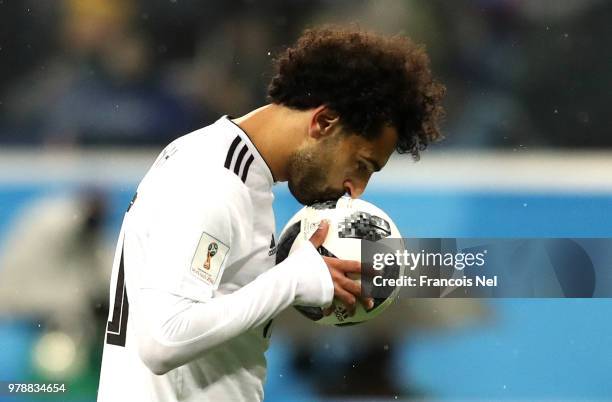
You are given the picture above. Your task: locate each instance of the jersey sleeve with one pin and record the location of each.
(176, 330)
(182, 233)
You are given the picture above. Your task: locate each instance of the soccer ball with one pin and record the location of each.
(350, 222)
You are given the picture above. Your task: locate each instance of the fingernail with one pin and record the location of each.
(370, 304)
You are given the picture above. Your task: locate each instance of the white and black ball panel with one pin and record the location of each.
(351, 221)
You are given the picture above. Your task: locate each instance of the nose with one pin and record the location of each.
(353, 189)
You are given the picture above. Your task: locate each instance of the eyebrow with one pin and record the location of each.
(373, 162)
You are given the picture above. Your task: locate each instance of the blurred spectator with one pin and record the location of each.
(520, 74)
(101, 89)
(56, 269)
(230, 68)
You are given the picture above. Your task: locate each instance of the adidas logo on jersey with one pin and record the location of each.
(272, 250)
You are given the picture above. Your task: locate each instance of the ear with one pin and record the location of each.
(323, 122)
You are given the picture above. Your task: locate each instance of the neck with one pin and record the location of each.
(276, 131)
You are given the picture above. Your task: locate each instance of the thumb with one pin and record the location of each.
(319, 236)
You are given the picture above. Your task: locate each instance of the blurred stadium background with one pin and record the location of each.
(91, 90)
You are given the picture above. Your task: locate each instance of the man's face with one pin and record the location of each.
(337, 164)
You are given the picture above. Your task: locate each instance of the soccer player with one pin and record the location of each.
(195, 287)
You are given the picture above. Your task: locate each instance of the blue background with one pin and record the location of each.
(534, 349)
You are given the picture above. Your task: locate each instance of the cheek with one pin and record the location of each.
(336, 174)
(336, 165)
(349, 169)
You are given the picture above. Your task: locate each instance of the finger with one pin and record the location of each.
(349, 301)
(367, 303)
(348, 284)
(319, 236)
(346, 266)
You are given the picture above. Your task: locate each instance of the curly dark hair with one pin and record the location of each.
(370, 80)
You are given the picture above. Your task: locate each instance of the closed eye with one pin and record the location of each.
(374, 164)
(362, 167)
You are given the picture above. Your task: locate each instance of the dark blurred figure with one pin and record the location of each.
(362, 360)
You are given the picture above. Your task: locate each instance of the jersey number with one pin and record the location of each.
(117, 327)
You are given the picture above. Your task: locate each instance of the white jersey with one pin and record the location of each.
(194, 285)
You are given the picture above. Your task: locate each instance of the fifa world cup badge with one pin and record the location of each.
(212, 250)
(209, 259)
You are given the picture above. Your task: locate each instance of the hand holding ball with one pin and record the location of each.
(346, 223)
